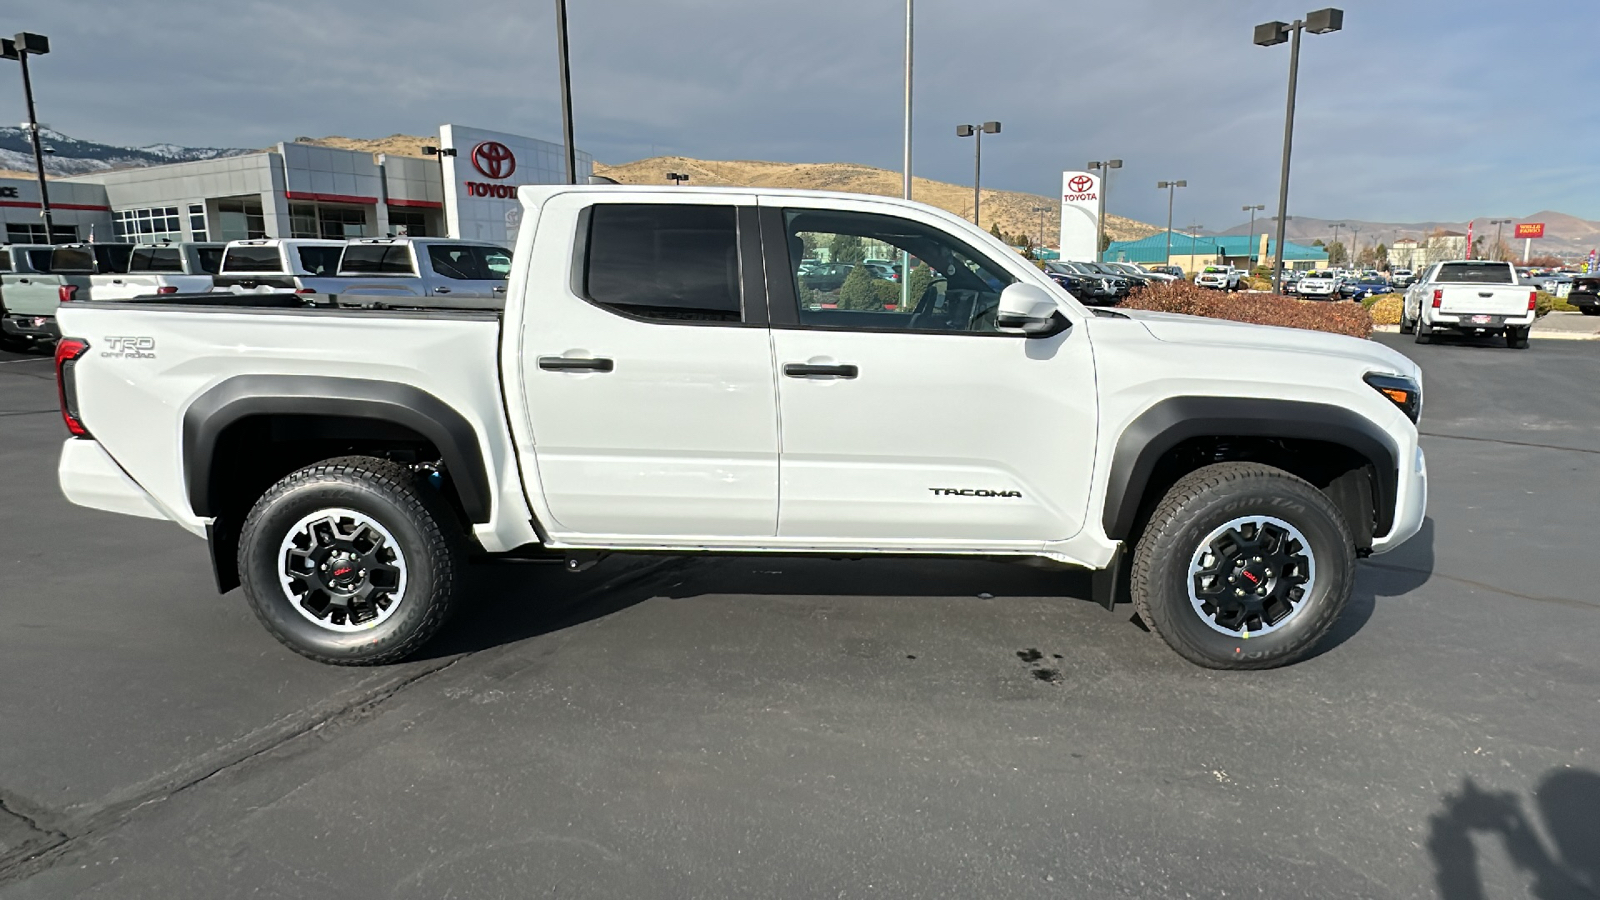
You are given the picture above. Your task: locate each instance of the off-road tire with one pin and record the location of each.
(1406, 325)
(1424, 333)
(1517, 338)
(1201, 502)
(422, 525)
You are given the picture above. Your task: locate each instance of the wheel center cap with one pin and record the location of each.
(343, 572)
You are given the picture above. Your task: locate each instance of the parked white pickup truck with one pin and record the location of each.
(276, 264)
(170, 267)
(471, 274)
(1318, 286)
(1225, 278)
(654, 379)
(1470, 296)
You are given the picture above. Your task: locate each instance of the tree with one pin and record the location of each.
(811, 244)
(846, 248)
(1318, 243)
(995, 230)
(1381, 255)
(1337, 254)
(921, 278)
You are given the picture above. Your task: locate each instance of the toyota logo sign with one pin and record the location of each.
(1079, 184)
(493, 159)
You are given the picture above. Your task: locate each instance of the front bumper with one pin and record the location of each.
(1411, 504)
(41, 328)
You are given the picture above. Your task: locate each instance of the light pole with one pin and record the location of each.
(1193, 238)
(1252, 210)
(566, 91)
(1100, 218)
(677, 178)
(1335, 226)
(1355, 243)
(441, 153)
(1170, 187)
(977, 131)
(19, 48)
(1268, 34)
(1499, 226)
(1041, 210)
(905, 188)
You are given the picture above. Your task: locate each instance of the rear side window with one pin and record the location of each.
(71, 259)
(156, 259)
(320, 260)
(251, 259)
(456, 261)
(376, 259)
(660, 261)
(1469, 273)
(210, 259)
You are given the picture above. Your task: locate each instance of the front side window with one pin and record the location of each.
(664, 261)
(495, 261)
(947, 286)
(455, 261)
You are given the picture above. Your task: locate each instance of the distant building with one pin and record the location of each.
(1437, 247)
(1194, 252)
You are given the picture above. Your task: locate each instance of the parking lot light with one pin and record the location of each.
(19, 48)
(1100, 217)
(977, 131)
(1270, 34)
(1252, 210)
(1499, 226)
(1170, 187)
(677, 178)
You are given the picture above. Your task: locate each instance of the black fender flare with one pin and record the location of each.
(1177, 419)
(243, 396)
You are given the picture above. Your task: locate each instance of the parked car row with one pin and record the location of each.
(36, 278)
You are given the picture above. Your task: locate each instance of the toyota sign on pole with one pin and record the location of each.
(1080, 215)
(481, 179)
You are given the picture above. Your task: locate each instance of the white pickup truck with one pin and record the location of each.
(402, 270)
(1470, 296)
(654, 384)
(1224, 278)
(170, 267)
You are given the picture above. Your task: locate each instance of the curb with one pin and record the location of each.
(1547, 335)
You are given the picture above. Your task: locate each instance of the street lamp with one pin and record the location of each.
(19, 48)
(1100, 218)
(1355, 243)
(1335, 226)
(1269, 34)
(1499, 225)
(441, 153)
(1041, 210)
(677, 178)
(563, 59)
(1252, 210)
(1193, 238)
(1169, 187)
(977, 131)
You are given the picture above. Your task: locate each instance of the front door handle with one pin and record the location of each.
(575, 364)
(441, 290)
(803, 370)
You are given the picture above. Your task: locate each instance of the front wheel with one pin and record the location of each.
(1243, 566)
(1406, 325)
(352, 561)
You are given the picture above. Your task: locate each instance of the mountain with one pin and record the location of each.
(1565, 236)
(76, 157)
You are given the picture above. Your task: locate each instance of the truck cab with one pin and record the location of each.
(275, 264)
(168, 267)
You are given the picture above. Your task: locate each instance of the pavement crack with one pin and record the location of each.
(1484, 440)
(1558, 601)
(26, 412)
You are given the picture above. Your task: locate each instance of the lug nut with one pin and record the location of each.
(1239, 592)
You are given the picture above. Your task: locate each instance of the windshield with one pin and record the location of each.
(1475, 273)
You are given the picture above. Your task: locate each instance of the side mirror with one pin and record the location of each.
(1029, 309)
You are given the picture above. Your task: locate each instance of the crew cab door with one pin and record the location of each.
(646, 368)
(919, 424)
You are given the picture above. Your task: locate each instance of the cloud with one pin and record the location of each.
(1414, 111)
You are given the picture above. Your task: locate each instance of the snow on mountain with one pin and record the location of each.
(72, 156)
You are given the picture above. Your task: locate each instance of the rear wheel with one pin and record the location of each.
(1424, 333)
(351, 561)
(1517, 338)
(1589, 310)
(1243, 566)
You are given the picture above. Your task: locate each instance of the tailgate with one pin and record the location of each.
(1484, 299)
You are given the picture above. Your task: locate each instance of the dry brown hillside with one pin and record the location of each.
(1013, 211)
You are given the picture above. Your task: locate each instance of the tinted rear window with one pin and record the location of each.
(664, 261)
(210, 259)
(318, 260)
(112, 257)
(71, 259)
(1475, 273)
(376, 259)
(455, 261)
(156, 259)
(251, 259)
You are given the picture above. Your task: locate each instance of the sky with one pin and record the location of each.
(1418, 110)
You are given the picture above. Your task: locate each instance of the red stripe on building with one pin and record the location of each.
(426, 204)
(23, 204)
(330, 198)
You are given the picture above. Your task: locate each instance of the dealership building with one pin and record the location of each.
(300, 190)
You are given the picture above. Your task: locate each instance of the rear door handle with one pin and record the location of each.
(575, 364)
(803, 370)
(441, 290)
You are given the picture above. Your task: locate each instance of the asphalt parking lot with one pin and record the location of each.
(787, 728)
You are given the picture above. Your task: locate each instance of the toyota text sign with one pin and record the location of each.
(1080, 215)
(1530, 230)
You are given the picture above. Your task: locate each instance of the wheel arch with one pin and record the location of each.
(1340, 451)
(374, 410)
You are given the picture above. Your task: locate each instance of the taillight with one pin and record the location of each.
(304, 291)
(68, 350)
(1438, 298)
(167, 289)
(66, 292)
(1533, 300)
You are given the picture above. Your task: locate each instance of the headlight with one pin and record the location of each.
(1401, 391)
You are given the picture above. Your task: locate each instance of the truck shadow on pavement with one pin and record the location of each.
(1394, 574)
(1566, 803)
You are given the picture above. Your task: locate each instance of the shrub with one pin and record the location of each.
(1258, 309)
(863, 290)
(1549, 303)
(1386, 309)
